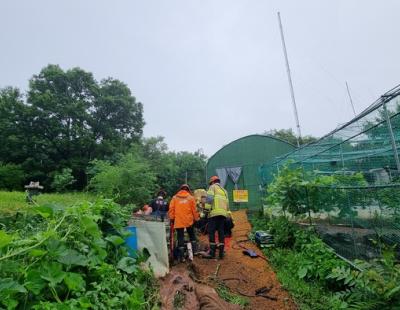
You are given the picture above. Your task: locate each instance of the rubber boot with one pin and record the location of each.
(213, 248)
(181, 254)
(221, 252)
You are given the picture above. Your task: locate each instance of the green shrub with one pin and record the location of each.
(308, 295)
(299, 193)
(62, 180)
(317, 261)
(318, 279)
(11, 177)
(61, 258)
(283, 231)
(376, 286)
(286, 191)
(130, 180)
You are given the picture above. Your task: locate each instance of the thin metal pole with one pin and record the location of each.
(296, 116)
(392, 139)
(351, 99)
(342, 158)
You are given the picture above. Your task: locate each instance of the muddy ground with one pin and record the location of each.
(191, 284)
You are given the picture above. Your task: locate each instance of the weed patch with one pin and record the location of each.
(57, 257)
(225, 293)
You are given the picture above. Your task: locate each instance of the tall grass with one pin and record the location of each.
(11, 202)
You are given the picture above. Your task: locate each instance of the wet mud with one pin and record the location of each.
(188, 284)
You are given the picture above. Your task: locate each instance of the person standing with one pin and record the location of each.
(218, 207)
(182, 212)
(160, 206)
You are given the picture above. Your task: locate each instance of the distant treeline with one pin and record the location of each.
(68, 126)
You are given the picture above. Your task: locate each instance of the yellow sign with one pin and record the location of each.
(240, 195)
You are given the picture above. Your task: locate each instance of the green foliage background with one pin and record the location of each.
(11, 176)
(58, 257)
(318, 279)
(305, 264)
(68, 126)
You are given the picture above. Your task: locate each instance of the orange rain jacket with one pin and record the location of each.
(182, 209)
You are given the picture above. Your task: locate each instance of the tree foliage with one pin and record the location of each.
(299, 192)
(289, 136)
(63, 180)
(11, 177)
(174, 168)
(147, 167)
(130, 180)
(67, 120)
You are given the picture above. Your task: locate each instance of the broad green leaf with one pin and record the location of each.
(302, 272)
(11, 286)
(45, 211)
(34, 282)
(96, 257)
(37, 252)
(90, 226)
(53, 273)
(85, 303)
(55, 247)
(137, 300)
(116, 240)
(99, 243)
(5, 239)
(127, 264)
(10, 303)
(72, 257)
(74, 281)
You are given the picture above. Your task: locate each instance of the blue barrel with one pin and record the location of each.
(131, 241)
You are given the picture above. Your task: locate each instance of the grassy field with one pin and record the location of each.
(13, 201)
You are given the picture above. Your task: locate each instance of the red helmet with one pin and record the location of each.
(214, 179)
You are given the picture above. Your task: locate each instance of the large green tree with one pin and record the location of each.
(67, 120)
(14, 125)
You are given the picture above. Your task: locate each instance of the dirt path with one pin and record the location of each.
(242, 274)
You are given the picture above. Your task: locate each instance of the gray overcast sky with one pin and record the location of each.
(210, 71)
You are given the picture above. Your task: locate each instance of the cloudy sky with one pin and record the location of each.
(211, 71)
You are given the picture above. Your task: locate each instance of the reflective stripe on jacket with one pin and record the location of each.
(217, 201)
(182, 209)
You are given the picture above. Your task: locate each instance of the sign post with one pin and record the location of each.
(240, 195)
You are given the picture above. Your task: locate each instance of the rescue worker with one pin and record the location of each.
(182, 212)
(201, 225)
(218, 207)
(160, 206)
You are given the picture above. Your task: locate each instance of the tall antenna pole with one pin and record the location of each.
(351, 100)
(296, 116)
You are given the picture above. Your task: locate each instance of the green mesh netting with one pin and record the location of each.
(358, 221)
